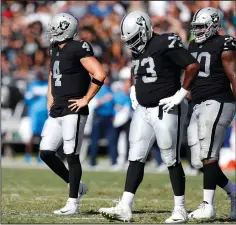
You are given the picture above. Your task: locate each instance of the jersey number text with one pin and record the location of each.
(85, 45)
(207, 57)
(150, 70)
(56, 73)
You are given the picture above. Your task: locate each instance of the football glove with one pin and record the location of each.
(174, 100)
(133, 97)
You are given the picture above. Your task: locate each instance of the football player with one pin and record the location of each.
(70, 89)
(214, 107)
(157, 64)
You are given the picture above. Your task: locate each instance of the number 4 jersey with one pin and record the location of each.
(212, 82)
(70, 80)
(157, 70)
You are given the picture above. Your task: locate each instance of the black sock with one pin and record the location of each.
(55, 164)
(211, 173)
(177, 178)
(222, 180)
(75, 173)
(134, 176)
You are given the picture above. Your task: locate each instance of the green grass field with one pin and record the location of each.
(31, 196)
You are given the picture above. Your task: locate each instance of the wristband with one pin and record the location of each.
(97, 82)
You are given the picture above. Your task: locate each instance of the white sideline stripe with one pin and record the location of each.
(54, 215)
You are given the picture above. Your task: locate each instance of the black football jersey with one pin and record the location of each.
(212, 82)
(70, 80)
(156, 75)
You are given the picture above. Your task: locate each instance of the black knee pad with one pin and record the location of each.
(72, 159)
(46, 153)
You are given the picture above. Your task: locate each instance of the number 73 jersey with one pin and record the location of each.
(156, 75)
(212, 82)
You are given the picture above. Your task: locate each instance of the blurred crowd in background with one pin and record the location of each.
(25, 62)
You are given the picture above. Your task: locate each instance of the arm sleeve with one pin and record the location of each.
(180, 57)
(84, 50)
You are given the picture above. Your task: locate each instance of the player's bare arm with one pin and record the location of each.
(49, 93)
(186, 61)
(98, 76)
(229, 62)
(191, 73)
(132, 91)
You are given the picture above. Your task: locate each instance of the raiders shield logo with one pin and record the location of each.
(141, 21)
(64, 25)
(215, 18)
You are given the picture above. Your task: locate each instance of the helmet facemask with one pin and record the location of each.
(202, 32)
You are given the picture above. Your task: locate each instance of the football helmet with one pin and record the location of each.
(136, 30)
(62, 27)
(206, 22)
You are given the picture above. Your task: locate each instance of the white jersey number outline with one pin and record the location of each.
(150, 69)
(199, 57)
(57, 74)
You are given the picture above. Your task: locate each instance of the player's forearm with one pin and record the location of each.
(233, 83)
(94, 88)
(132, 77)
(50, 99)
(191, 73)
(49, 93)
(229, 63)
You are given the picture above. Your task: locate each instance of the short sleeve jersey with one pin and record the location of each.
(70, 79)
(156, 76)
(212, 82)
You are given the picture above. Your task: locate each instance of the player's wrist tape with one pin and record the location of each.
(182, 93)
(97, 82)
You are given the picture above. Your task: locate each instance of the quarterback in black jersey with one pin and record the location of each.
(214, 107)
(70, 89)
(157, 63)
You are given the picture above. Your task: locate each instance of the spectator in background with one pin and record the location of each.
(36, 101)
(123, 113)
(103, 117)
(101, 9)
(88, 34)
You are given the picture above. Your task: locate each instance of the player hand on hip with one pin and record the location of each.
(133, 97)
(78, 103)
(174, 100)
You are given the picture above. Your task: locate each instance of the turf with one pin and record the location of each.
(31, 195)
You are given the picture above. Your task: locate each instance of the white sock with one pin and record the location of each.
(230, 187)
(74, 200)
(208, 196)
(179, 200)
(128, 198)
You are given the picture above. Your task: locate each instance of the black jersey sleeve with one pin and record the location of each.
(180, 57)
(84, 49)
(229, 44)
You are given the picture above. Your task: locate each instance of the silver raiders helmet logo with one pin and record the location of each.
(64, 25)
